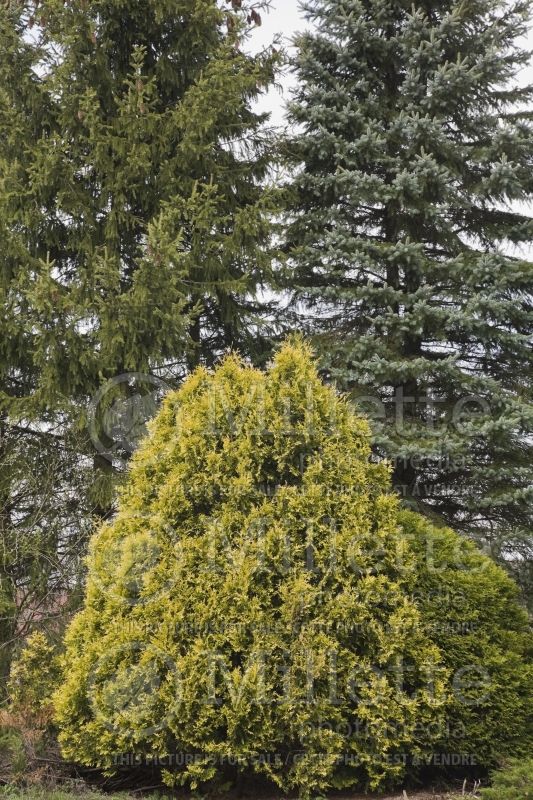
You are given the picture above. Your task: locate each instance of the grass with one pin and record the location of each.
(41, 793)
(82, 792)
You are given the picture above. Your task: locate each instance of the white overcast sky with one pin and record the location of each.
(285, 19)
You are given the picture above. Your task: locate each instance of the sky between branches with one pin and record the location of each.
(285, 18)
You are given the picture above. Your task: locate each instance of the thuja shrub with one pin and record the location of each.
(471, 609)
(34, 675)
(513, 782)
(27, 736)
(260, 604)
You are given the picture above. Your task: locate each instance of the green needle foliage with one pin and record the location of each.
(134, 229)
(409, 238)
(513, 782)
(44, 528)
(261, 605)
(134, 223)
(138, 140)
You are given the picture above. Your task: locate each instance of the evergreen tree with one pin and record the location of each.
(409, 243)
(134, 221)
(262, 605)
(44, 509)
(134, 225)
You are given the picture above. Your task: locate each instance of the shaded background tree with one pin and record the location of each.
(408, 240)
(134, 223)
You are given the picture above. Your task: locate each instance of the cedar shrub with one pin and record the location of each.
(261, 603)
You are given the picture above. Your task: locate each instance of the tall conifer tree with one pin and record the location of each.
(134, 218)
(44, 507)
(409, 241)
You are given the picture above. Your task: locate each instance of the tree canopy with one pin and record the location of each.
(409, 236)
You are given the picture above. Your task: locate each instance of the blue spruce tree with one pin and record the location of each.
(408, 240)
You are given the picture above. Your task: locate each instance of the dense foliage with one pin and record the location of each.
(34, 675)
(134, 222)
(260, 604)
(514, 782)
(409, 236)
(28, 745)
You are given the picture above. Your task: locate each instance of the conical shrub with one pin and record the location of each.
(260, 604)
